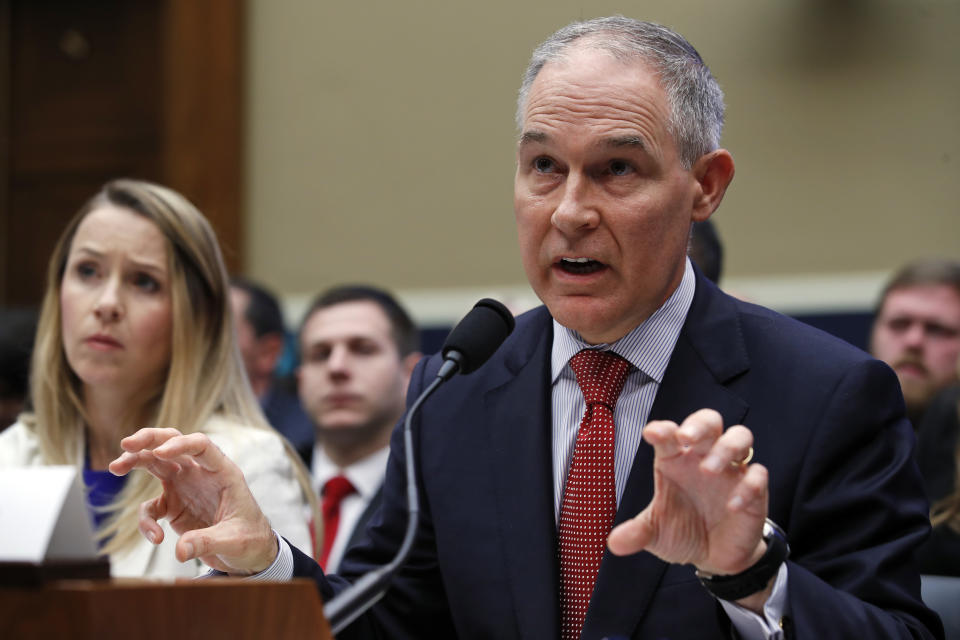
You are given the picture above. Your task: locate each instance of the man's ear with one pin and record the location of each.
(713, 172)
(407, 364)
(410, 361)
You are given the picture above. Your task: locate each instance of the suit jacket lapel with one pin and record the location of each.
(708, 354)
(518, 403)
(359, 530)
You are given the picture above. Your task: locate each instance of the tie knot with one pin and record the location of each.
(336, 489)
(601, 375)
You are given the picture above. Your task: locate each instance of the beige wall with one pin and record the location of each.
(380, 137)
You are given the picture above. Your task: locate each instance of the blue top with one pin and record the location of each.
(102, 489)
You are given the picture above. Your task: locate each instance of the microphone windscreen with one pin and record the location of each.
(479, 334)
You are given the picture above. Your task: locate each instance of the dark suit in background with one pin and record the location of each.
(285, 414)
(937, 448)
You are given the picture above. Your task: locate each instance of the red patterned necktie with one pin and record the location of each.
(590, 495)
(334, 491)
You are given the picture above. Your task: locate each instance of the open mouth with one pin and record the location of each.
(580, 266)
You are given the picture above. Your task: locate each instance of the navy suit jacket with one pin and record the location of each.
(285, 414)
(828, 423)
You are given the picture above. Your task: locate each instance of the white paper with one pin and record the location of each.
(43, 516)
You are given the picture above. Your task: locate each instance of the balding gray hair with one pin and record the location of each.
(696, 101)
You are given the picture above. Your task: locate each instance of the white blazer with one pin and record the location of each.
(259, 454)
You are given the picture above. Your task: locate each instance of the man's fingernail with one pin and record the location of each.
(736, 503)
(152, 537)
(188, 549)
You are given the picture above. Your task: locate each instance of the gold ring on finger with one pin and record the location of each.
(746, 460)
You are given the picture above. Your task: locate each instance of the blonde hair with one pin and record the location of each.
(205, 376)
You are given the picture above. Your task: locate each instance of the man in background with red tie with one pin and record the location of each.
(620, 466)
(358, 346)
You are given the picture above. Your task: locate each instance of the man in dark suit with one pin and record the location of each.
(618, 155)
(261, 336)
(358, 346)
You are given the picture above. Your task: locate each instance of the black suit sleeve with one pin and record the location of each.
(857, 516)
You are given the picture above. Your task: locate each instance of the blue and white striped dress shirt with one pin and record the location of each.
(648, 349)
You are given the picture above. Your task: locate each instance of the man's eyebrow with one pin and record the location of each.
(624, 141)
(528, 137)
(315, 343)
(615, 142)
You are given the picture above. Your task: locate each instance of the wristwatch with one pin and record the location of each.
(755, 578)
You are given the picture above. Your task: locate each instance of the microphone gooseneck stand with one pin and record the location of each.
(365, 592)
(468, 346)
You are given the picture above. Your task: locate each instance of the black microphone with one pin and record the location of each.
(475, 338)
(469, 345)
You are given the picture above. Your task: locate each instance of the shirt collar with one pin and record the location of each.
(366, 475)
(647, 347)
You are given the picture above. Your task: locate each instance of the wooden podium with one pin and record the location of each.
(182, 610)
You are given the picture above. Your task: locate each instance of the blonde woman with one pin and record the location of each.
(135, 329)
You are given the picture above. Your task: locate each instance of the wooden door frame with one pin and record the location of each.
(201, 152)
(203, 113)
(4, 143)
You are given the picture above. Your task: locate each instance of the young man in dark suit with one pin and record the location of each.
(358, 346)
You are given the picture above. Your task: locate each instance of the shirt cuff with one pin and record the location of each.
(751, 626)
(280, 570)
